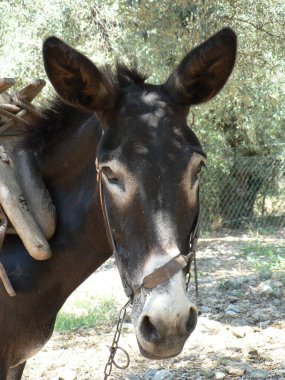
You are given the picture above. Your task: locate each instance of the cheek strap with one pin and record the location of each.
(161, 274)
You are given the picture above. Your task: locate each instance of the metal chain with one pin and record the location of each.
(115, 347)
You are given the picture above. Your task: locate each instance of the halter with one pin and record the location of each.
(163, 273)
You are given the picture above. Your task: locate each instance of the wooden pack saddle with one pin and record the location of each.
(25, 204)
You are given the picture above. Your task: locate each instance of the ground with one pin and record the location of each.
(240, 332)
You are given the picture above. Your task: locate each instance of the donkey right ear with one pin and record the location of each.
(204, 71)
(76, 79)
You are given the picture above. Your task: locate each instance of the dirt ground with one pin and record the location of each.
(240, 332)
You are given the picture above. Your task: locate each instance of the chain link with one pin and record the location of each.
(114, 347)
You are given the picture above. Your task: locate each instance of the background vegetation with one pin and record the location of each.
(246, 120)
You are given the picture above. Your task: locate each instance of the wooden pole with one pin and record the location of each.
(18, 211)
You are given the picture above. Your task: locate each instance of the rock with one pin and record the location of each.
(220, 375)
(282, 364)
(232, 310)
(231, 313)
(265, 274)
(132, 377)
(266, 288)
(233, 298)
(204, 309)
(163, 375)
(260, 317)
(160, 374)
(276, 302)
(236, 293)
(256, 373)
(235, 370)
(271, 288)
(239, 332)
(252, 352)
(277, 293)
(149, 374)
(233, 307)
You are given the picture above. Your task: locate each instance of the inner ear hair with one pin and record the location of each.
(204, 71)
(76, 79)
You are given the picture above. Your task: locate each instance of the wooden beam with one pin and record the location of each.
(18, 211)
(6, 83)
(29, 92)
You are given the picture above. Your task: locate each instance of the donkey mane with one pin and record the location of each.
(126, 76)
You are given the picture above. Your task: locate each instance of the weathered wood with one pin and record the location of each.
(6, 83)
(23, 195)
(31, 90)
(6, 282)
(35, 192)
(5, 115)
(11, 108)
(5, 98)
(16, 208)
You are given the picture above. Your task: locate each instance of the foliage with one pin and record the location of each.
(103, 314)
(265, 257)
(249, 113)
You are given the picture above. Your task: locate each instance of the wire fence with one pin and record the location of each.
(241, 191)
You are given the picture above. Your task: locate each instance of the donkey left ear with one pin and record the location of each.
(204, 71)
(75, 78)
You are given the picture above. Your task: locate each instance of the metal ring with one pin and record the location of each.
(127, 356)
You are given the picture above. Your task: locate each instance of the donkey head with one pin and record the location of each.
(150, 162)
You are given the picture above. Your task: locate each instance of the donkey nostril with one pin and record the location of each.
(192, 320)
(148, 331)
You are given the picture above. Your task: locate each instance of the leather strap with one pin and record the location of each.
(166, 271)
(127, 288)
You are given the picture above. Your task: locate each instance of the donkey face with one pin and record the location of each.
(150, 162)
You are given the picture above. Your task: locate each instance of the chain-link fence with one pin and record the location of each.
(241, 190)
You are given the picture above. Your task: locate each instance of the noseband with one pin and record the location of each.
(166, 271)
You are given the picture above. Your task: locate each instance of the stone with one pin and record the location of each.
(276, 302)
(235, 370)
(239, 332)
(149, 374)
(252, 352)
(231, 313)
(260, 317)
(277, 293)
(265, 274)
(266, 288)
(236, 293)
(233, 308)
(204, 309)
(132, 377)
(280, 372)
(257, 373)
(282, 364)
(160, 374)
(220, 375)
(271, 288)
(163, 375)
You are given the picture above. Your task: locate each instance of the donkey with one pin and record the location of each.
(148, 165)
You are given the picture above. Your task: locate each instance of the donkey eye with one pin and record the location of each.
(111, 176)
